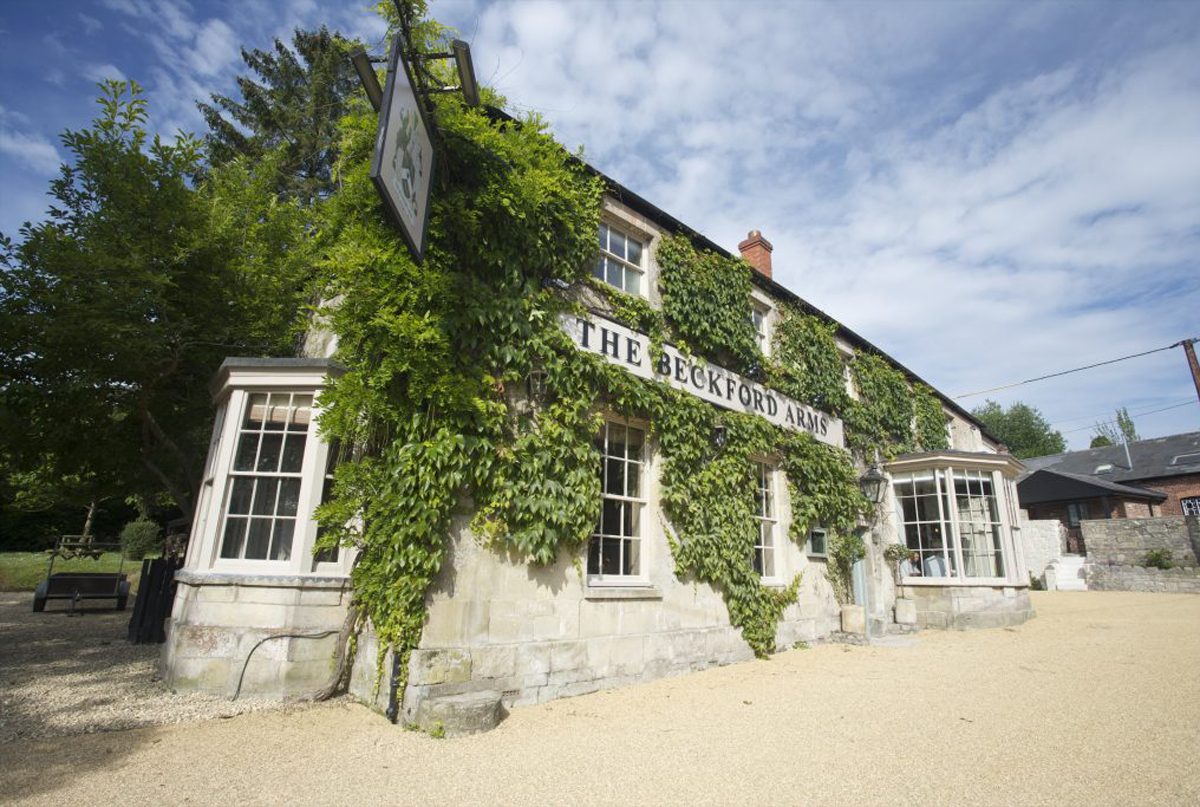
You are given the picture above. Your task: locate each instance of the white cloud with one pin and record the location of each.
(32, 149)
(91, 25)
(216, 48)
(97, 73)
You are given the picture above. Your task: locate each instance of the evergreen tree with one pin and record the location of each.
(1022, 428)
(294, 106)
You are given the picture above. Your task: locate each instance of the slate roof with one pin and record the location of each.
(1175, 455)
(1049, 485)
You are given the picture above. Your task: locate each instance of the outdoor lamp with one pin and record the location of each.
(366, 74)
(719, 434)
(873, 483)
(466, 72)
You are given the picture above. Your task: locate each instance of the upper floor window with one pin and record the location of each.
(264, 494)
(615, 549)
(758, 317)
(620, 261)
(765, 515)
(1190, 506)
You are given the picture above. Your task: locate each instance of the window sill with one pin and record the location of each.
(622, 592)
(230, 578)
(821, 558)
(949, 582)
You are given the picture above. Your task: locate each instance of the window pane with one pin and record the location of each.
(634, 443)
(610, 523)
(301, 413)
(633, 282)
(615, 481)
(264, 497)
(610, 556)
(633, 480)
(281, 545)
(235, 531)
(247, 449)
(598, 268)
(768, 563)
(603, 236)
(616, 440)
(277, 413)
(268, 455)
(616, 243)
(593, 564)
(293, 453)
(631, 560)
(289, 497)
(256, 411)
(258, 539)
(239, 497)
(613, 276)
(633, 252)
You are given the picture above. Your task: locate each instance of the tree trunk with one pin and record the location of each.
(87, 522)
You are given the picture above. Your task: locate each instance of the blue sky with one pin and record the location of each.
(988, 191)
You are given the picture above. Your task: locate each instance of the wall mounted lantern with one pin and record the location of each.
(873, 484)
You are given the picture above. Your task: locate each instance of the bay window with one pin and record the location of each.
(951, 520)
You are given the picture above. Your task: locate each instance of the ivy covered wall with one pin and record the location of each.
(434, 416)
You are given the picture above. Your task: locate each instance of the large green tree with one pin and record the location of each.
(1022, 428)
(293, 107)
(117, 309)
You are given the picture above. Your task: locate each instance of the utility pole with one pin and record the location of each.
(1190, 350)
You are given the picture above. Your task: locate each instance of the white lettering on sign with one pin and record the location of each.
(692, 374)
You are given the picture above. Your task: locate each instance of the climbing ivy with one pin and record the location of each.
(465, 402)
(931, 420)
(706, 301)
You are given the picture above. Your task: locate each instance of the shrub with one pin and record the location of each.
(1159, 559)
(1036, 583)
(139, 538)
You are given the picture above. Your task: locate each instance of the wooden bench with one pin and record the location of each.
(77, 586)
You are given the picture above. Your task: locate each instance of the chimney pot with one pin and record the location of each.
(757, 251)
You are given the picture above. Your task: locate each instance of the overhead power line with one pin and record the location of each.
(1068, 372)
(1094, 418)
(1151, 412)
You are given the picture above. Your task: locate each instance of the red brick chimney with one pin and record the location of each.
(757, 250)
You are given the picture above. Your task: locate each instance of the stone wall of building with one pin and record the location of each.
(964, 607)
(218, 619)
(1044, 541)
(1125, 542)
(1182, 579)
(535, 634)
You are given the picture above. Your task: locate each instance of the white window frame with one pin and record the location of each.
(1189, 505)
(763, 307)
(952, 554)
(639, 577)
(238, 381)
(607, 226)
(766, 518)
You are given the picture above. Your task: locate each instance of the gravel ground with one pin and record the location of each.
(1093, 702)
(62, 674)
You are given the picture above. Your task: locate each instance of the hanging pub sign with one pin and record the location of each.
(402, 165)
(692, 374)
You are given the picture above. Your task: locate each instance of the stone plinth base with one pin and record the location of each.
(965, 607)
(219, 619)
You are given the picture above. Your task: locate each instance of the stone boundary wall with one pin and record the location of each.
(1182, 580)
(1044, 541)
(1125, 541)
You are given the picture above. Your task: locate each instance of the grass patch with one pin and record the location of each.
(22, 571)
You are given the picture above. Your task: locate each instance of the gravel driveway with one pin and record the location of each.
(1093, 702)
(63, 674)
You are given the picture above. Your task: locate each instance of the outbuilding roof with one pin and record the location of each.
(1046, 485)
(1175, 455)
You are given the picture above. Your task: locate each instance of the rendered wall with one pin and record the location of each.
(1044, 541)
